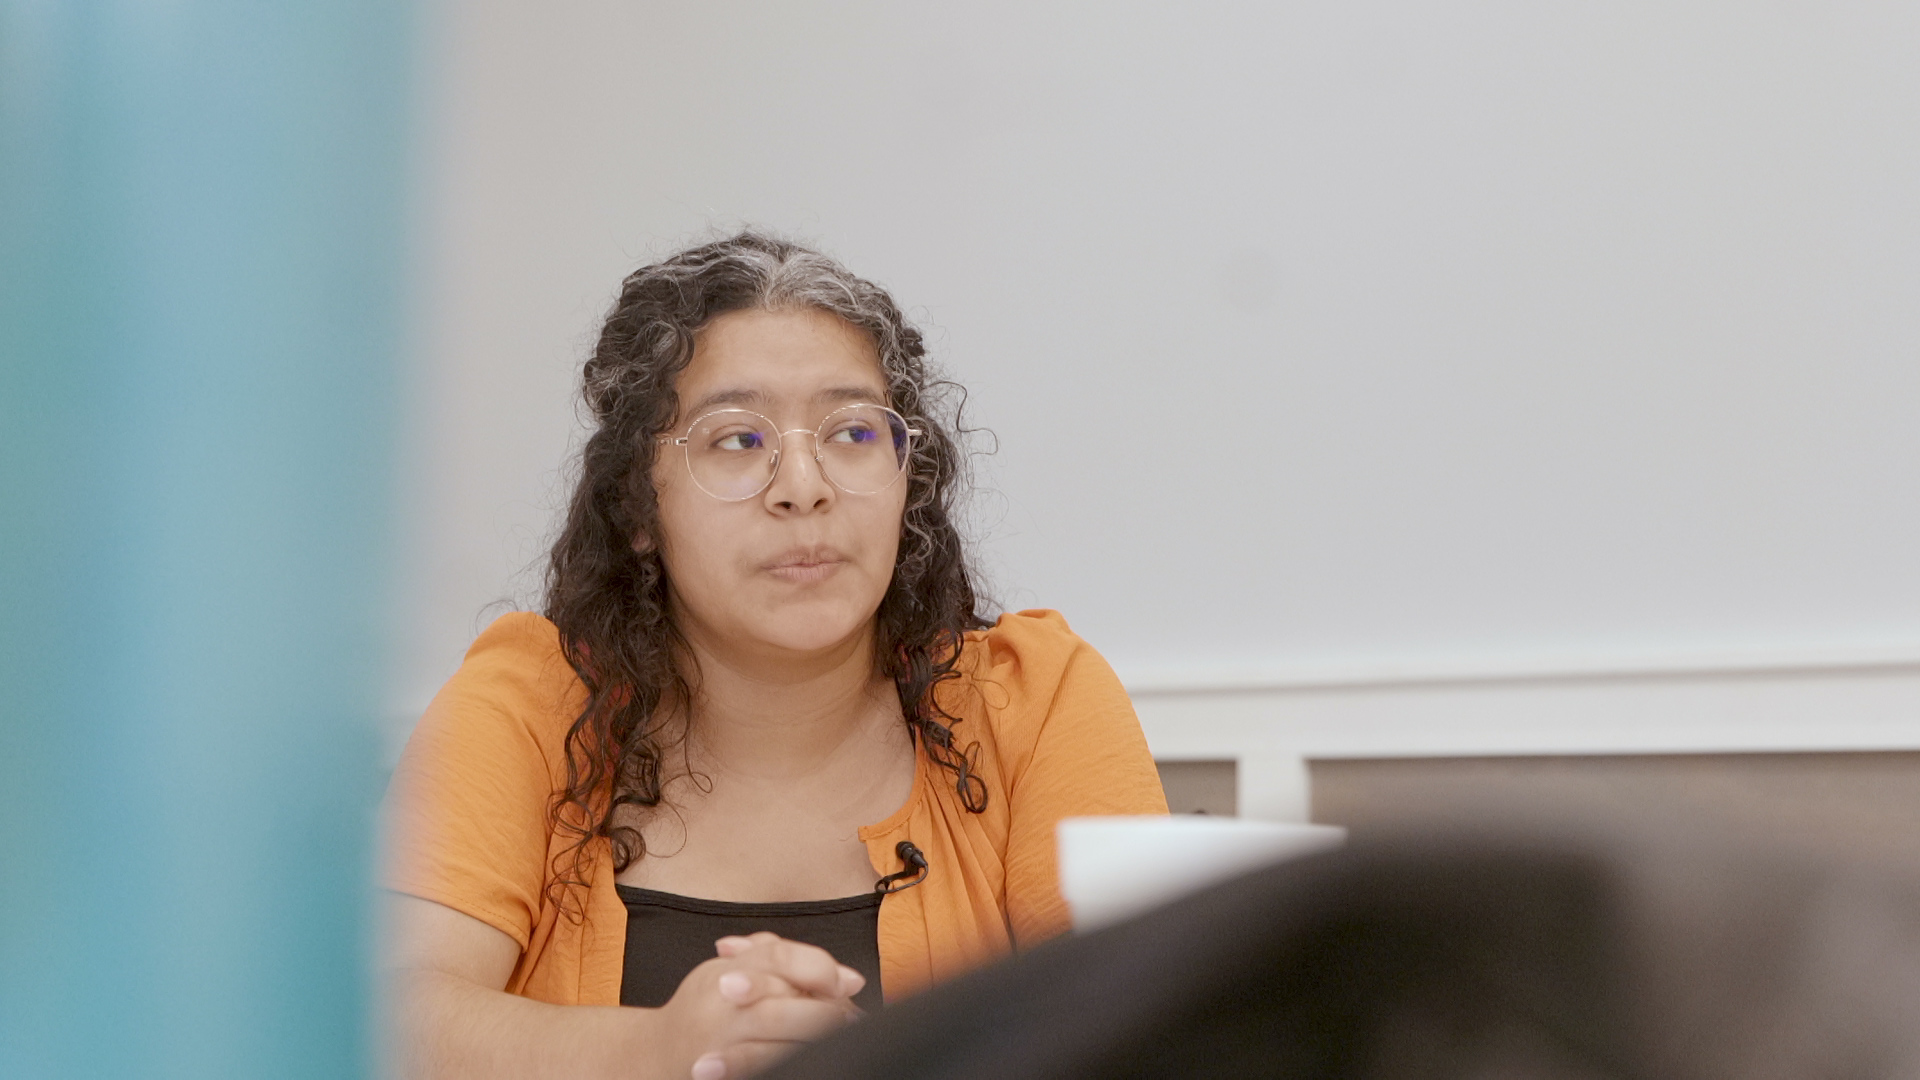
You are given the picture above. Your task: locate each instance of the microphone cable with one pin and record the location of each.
(916, 869)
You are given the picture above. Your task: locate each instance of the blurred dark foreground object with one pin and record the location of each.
(1456, 956)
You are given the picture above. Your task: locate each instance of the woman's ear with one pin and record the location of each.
(642, 543)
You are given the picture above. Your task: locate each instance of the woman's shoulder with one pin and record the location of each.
(1058, 732)
(1026, 645)
(1030, 670)
(515, 639)
(522, 649)
(515, 677)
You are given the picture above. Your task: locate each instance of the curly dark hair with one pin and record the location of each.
(610, 602)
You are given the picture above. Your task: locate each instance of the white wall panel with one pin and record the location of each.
(1369, 334)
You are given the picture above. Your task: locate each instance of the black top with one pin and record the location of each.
(668, 936)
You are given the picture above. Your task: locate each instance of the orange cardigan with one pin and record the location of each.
(1058, 738)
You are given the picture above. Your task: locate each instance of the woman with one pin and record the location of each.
(761, 761)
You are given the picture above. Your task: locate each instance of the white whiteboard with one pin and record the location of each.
(1314, 335)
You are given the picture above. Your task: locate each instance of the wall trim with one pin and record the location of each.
(1834, 700)
(1201, 678)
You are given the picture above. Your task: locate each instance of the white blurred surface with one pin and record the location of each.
(1113, 868)
(1361, 335)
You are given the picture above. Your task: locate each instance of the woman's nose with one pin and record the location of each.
(798, 483)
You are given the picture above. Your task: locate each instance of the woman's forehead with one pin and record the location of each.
(771, 359)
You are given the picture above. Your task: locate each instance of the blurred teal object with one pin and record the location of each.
(201, 222)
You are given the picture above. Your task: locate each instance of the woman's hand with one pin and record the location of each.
(756, 1001)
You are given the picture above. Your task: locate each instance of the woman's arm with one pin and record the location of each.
(449, 1015)
(1084, 755)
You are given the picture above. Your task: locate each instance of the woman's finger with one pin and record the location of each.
(740, 1059)
(744, 987)
(851, 981)
(808, 968)
(789, 1019)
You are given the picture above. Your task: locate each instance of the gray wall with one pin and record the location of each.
(1374, 333)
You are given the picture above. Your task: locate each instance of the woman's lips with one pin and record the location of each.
(805, 571)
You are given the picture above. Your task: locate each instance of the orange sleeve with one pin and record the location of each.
(467, 806)
(1076, 749)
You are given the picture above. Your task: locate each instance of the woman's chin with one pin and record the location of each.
(808, 633)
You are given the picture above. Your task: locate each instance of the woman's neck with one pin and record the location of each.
(787, 716)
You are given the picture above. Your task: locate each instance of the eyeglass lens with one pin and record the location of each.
(732, 453)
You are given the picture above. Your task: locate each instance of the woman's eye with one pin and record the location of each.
(854, 433)
(740, 440)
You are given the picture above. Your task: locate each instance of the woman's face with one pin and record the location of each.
(801, 567)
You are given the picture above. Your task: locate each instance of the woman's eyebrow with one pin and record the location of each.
(850, 394)
(759, 399)
(728, 397)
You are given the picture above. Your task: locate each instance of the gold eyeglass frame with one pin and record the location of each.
(779, 449)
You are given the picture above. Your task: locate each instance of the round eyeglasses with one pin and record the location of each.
(733, 454)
